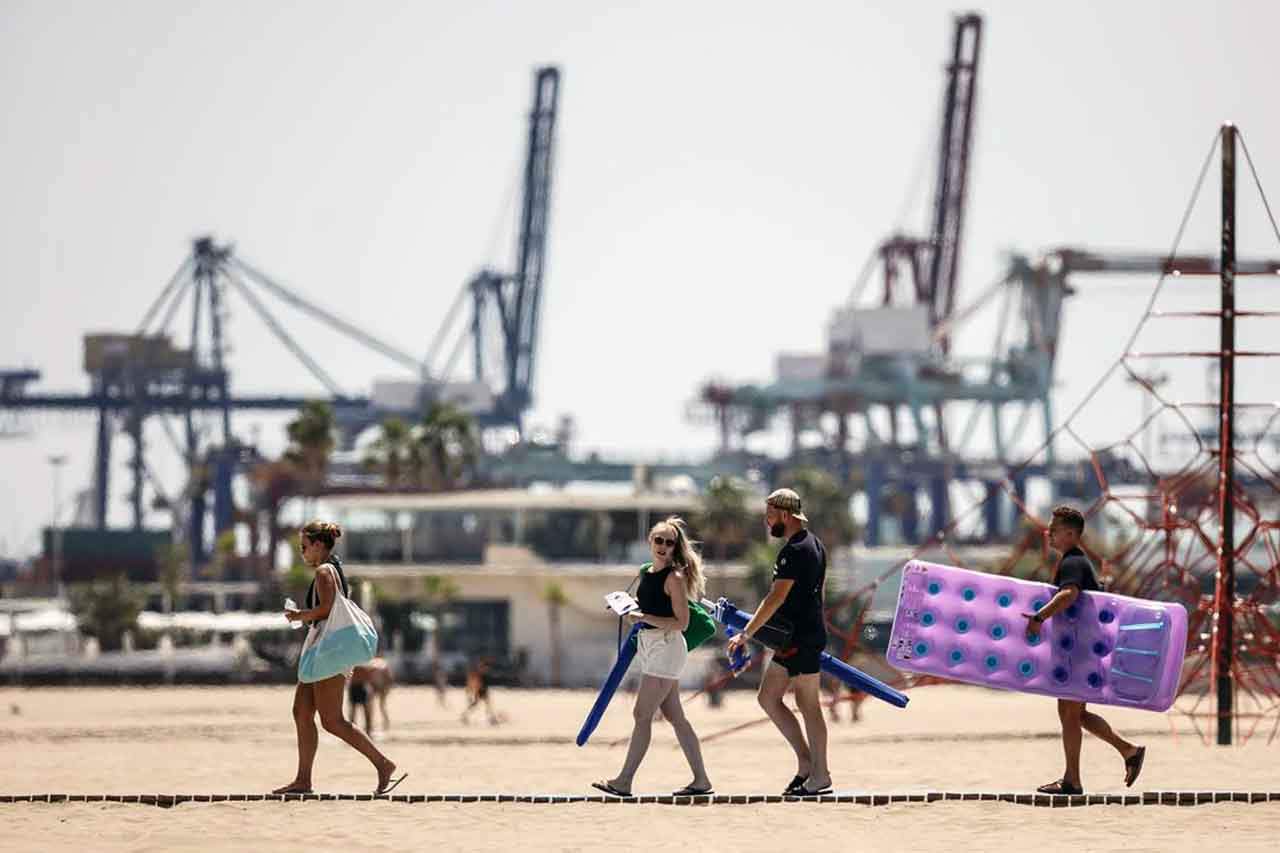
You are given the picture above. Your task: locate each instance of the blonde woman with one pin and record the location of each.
(666, 587)
(325, 697)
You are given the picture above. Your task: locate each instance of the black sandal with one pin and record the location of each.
(690, 791)
(1061, 787)
(1133, 766)
(608, 788)
(795, 785)
(820, 792)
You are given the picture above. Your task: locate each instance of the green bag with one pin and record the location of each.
(701, 626)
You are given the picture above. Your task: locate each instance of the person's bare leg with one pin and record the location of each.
(809, 700)
(1100, 729)
(382, 704)
(773, 686)
(686, 737)
(651, 693)
(328, 695)
(1069, 713)
(304, 720)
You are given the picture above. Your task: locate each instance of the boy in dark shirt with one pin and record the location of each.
(796, 595)
(1075, 575)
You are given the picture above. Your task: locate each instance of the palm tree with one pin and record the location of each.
(554, 595)
(826, 504)
(725, 517)
(438, 591)
(760, 560)
(311, 442)
(449, 444)
(273, 483)
(224, 552)
(173, 559)
(391, 452)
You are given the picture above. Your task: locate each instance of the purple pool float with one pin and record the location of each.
(968, 626)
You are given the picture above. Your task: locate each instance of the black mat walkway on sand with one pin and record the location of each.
(1146, 798)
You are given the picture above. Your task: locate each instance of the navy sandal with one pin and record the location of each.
(795, 785)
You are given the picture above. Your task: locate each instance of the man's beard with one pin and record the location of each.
(777, 531)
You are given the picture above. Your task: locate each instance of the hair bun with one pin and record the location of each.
(322, 531)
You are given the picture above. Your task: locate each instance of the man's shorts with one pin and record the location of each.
(798, 660)
(358, 693)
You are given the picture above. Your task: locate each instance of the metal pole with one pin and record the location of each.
(1225, 591)
(55, 530)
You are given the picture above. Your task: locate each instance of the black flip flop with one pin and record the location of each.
(794, 785)
(1133, 766)
(1060, 787)
(809, 792)
(392, 784)
(610, 790)
(690, 791)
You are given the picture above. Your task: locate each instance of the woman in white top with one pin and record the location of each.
(325, 697)
(667, 585)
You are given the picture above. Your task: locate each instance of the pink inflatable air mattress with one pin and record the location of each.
(968, 626)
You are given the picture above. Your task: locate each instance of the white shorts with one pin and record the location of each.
(662, 653)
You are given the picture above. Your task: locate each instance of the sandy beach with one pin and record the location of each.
(240, 740)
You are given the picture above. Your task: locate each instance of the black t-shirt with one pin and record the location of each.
(652, 594)
(1074, 569)
(804, 560)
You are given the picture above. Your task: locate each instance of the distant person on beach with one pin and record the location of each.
(370, 681)
(440, 679)
(672, 579)
(316, 541)
(477, 690)
(799, 578)
(1074, 575)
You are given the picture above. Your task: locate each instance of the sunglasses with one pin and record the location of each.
(659, 540)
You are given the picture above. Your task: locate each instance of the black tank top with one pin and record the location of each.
(652, 598)
(313, 598)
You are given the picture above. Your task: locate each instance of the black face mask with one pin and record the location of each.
(778, 530)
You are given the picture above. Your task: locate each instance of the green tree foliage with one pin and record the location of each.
(449, 444)
(173, 560)
(725, 518)
(395, 454)
(311, 443)
(553, 593)
(760, 559)
(438, 591)
(106, 611)
(273, 483)
(826, 504)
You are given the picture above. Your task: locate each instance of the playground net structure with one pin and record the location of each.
(1205, 449)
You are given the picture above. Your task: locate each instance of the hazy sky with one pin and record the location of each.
(722, 171)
